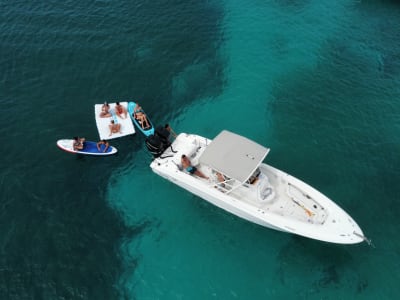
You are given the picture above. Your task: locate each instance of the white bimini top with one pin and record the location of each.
(233, 155)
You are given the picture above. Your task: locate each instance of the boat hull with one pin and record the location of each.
(295, 207)
(214, 197)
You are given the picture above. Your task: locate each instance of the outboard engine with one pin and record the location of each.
(154, 145)
(158, 142)
(163, 134)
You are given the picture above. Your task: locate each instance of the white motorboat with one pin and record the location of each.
(252, 189)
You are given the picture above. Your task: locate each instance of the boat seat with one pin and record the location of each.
(266, 193)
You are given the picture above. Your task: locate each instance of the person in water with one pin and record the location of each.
(120, 110)
(105, 143)
(187, 165)
(78, 143)
(114, 127)
(105, 111)
(138, 114)
(171, 131)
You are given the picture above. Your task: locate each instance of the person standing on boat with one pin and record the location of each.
(187, 165)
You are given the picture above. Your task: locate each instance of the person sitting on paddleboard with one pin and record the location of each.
(171, 131)
(78, 143)
(103, 142)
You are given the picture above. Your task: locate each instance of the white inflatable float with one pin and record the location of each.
(103, 123)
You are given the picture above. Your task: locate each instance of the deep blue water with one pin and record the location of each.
(316, 81)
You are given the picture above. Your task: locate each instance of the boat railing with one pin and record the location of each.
(313, 211)
(226, 186)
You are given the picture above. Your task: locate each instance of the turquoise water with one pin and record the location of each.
(316, 81)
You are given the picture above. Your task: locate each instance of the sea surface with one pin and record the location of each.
(317, 81)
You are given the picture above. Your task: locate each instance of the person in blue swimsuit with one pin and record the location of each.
(187, 165)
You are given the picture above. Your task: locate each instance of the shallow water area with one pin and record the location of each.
(285, 88)
(316, 81)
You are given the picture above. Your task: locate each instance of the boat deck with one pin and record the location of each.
(273, 192)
